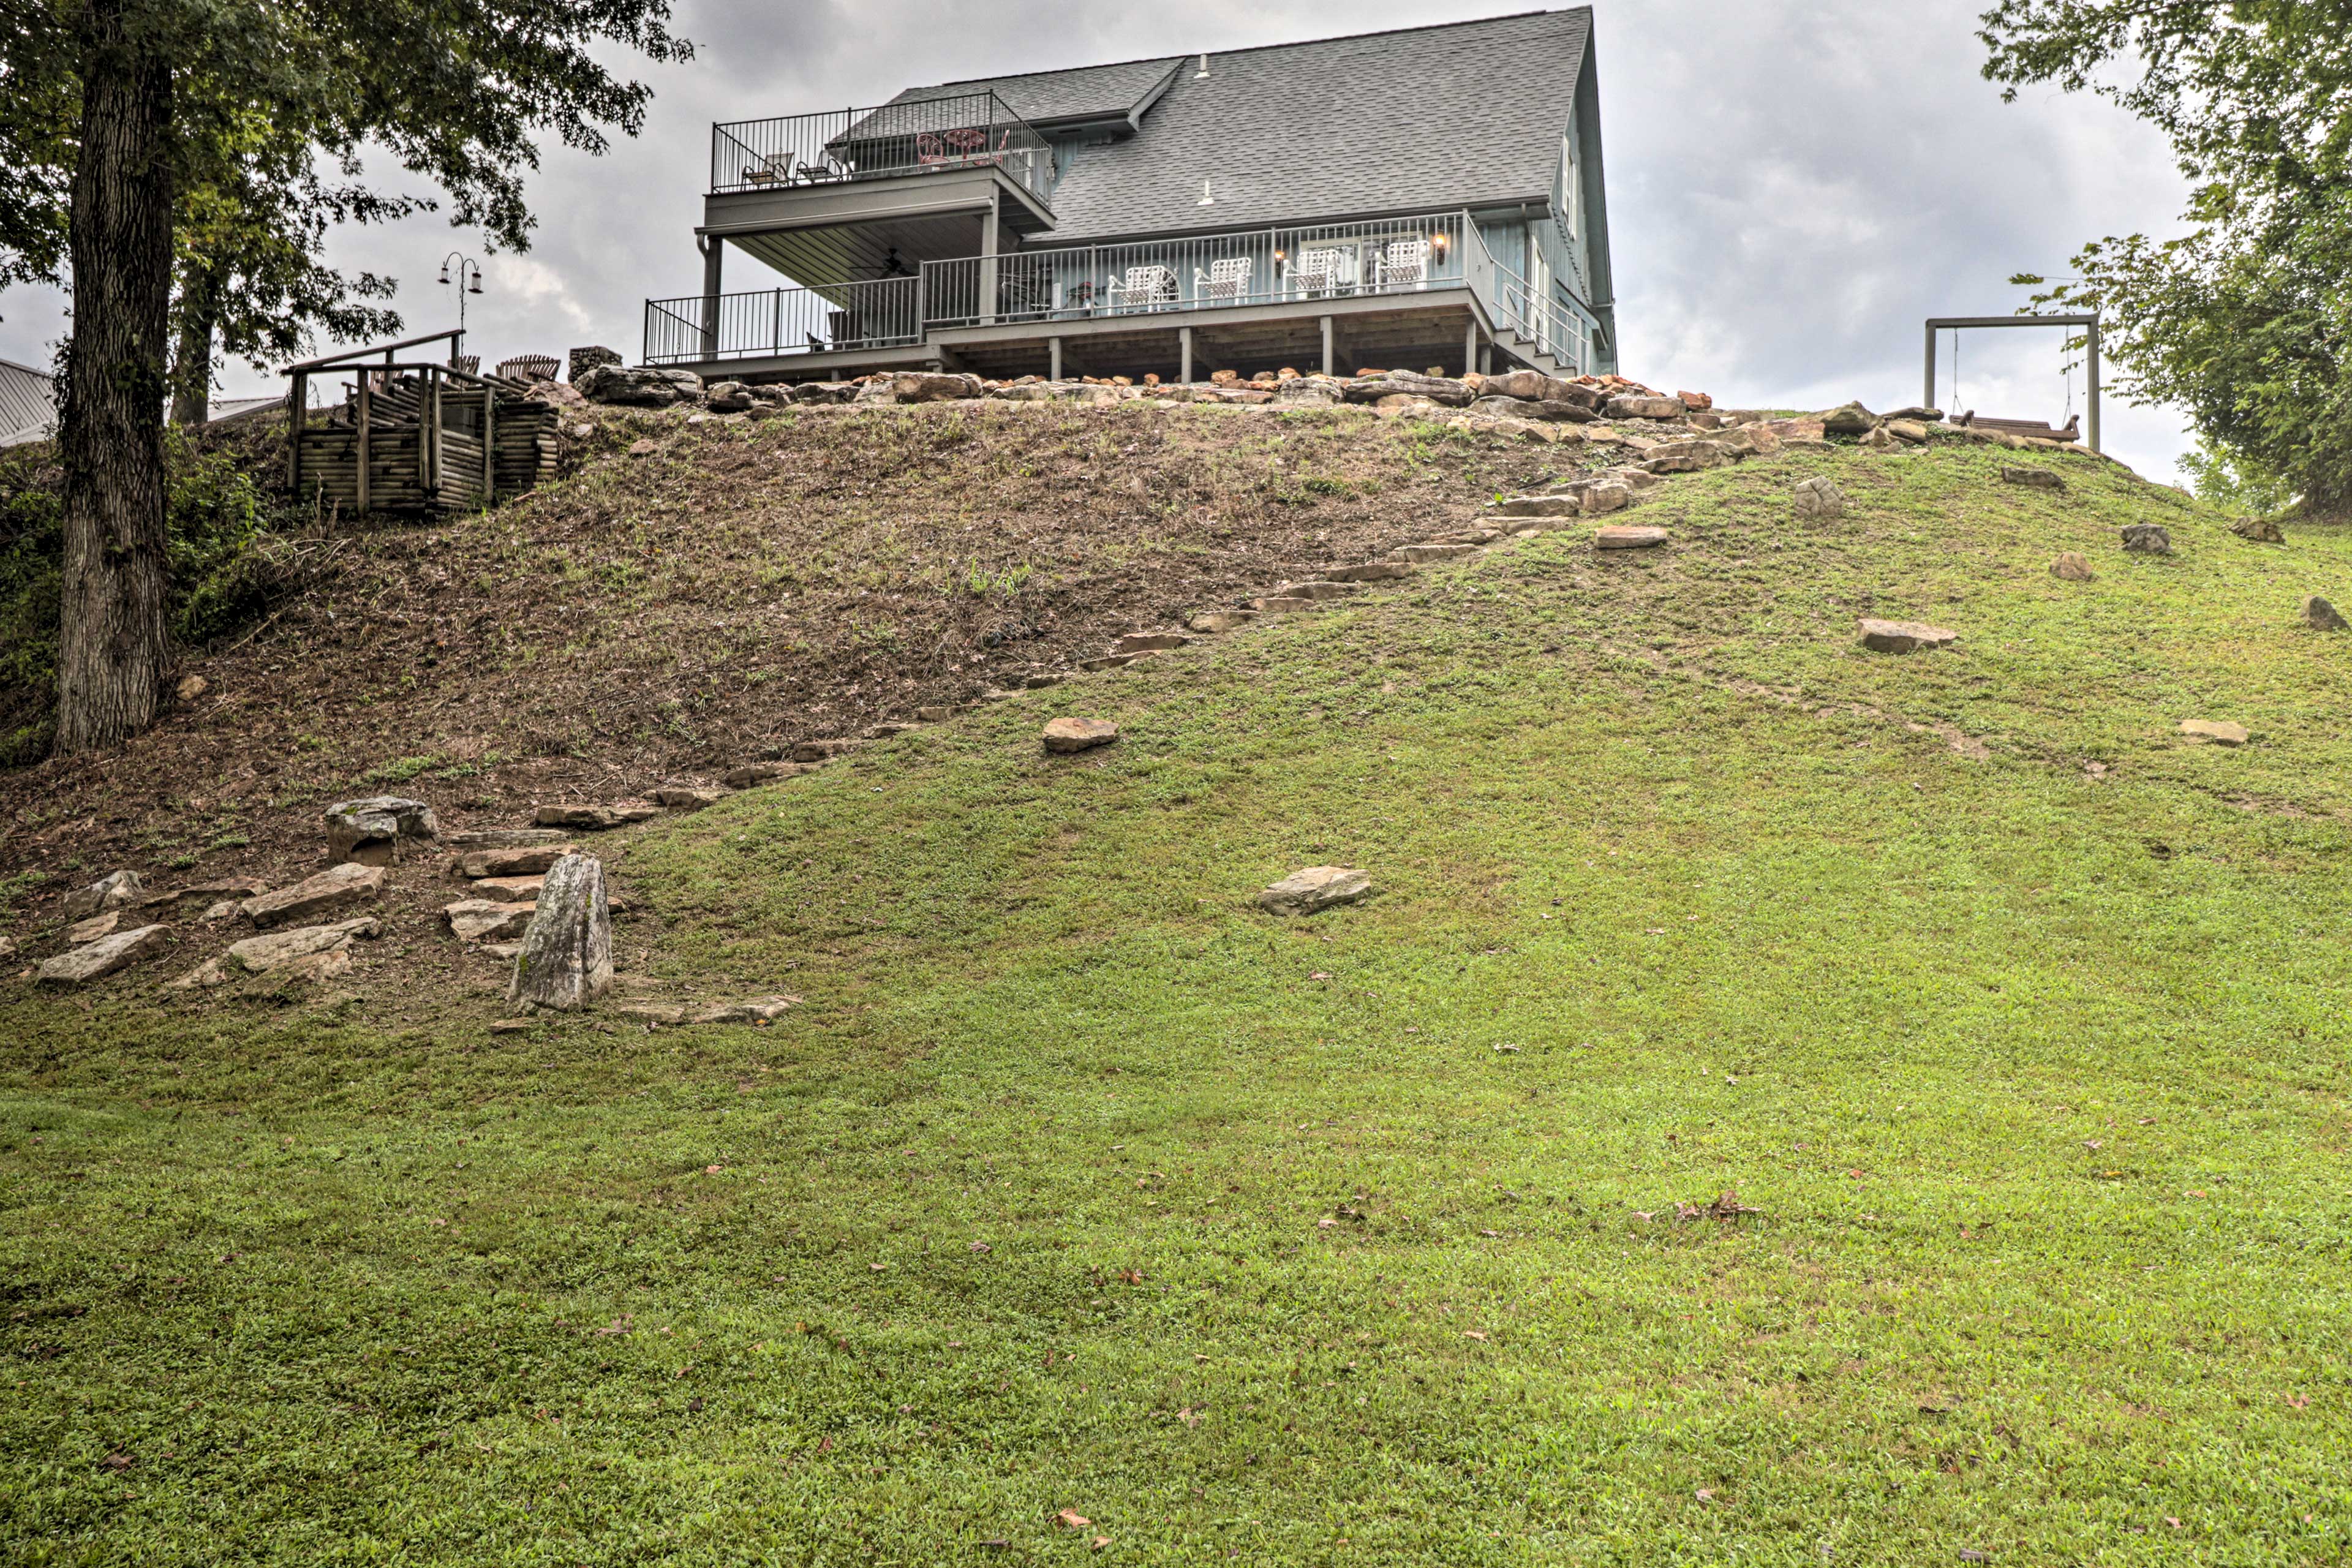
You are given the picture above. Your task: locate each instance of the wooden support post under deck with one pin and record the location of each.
(1054, 359)
(714, 252)
(1470, 347)
(1326, 347)
(364, 414)
(990, 231)
(1184, 355)
(298, 405)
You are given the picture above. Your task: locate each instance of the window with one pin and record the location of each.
(1571, 184)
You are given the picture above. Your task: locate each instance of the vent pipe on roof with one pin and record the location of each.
(1207, 199)
(1202, 74)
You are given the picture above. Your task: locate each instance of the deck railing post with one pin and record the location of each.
(489, 445)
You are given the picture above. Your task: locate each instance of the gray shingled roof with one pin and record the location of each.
(1422, 119)
(1088, 92)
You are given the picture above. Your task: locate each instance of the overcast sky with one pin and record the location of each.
(1794, 186)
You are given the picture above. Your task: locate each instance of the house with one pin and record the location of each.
(28, 403)
(1430, 197)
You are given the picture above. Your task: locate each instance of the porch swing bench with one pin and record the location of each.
(2071, 431)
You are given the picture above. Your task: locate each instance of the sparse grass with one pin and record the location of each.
(2034, 1079)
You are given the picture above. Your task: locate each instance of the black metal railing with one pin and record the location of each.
(969, 130)
(883, 312)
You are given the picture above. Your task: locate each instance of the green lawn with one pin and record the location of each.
(1079, 1184)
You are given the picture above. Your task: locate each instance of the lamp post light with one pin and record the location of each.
(469, 281)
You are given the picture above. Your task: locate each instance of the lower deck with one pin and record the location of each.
(1447, 328)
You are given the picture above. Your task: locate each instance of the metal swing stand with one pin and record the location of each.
(2089, 322)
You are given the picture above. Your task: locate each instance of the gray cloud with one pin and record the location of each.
(1794, 184)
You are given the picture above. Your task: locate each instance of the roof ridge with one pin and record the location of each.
(1260, 48)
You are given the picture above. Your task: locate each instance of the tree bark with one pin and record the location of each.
(191, 362)
(114, 636)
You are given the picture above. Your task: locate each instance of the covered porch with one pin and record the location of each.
(1413, 291)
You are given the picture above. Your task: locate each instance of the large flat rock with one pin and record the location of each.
(275, 950)
(1316, 888)
(330, 892)
(1904, 637)
(98, 959)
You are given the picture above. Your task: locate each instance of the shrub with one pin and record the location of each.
(226, 568)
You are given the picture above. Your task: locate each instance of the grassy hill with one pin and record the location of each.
(1786, 1104)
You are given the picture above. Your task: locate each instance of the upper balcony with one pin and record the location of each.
(934, 135)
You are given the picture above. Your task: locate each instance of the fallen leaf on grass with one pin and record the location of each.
(980, 1247)
(1705, 1495)
(2300, 1400)
(1478, 1334)
(1071, 1519)
(1100, 1542)
(1189, 1416)
(119, 1461)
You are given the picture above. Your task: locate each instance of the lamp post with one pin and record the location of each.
(469, 281)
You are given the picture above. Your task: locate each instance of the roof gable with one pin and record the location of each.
(1045, 98)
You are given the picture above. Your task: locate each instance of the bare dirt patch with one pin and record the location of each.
(747, 586)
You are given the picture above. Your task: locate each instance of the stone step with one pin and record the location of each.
(825, 751)
(1321, 589)
(1150, 642)
(1369, 571)
(751, 774)
(501, 838)
(528, 861)
(1415, 554)
(595, 818)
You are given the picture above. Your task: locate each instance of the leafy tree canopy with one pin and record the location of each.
(275, 102)
(2246, 322)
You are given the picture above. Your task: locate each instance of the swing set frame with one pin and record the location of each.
(2089, 322)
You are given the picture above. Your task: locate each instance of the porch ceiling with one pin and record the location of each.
(862, 250)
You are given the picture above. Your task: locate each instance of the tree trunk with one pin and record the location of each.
(191, 362)
(113, 635)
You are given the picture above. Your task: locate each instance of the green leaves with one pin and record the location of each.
(2245, 322)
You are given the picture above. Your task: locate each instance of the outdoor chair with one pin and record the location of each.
(1147, 288)
(1405, 261)
(1226, 282)
(1317, 271)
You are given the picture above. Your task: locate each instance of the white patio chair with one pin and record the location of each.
(1226, 282)
(1318, 271)
(1146, 287)
(1405, 261)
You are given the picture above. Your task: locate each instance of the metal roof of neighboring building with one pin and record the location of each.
(28, 403)
(1419, 118)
